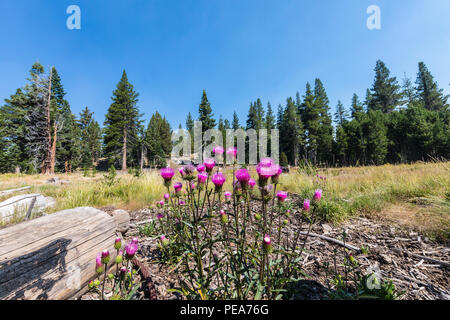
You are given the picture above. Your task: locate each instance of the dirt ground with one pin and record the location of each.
(391, 249)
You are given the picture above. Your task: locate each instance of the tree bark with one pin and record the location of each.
(46, 164)
(124, 150)
(53, 153)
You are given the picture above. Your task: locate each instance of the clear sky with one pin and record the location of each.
(238, 50)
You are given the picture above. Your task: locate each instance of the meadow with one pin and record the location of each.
(411, 195)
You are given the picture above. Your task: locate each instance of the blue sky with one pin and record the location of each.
(238, 50)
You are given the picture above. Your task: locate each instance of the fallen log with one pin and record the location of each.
(53, 257)
(338, 242)
(418, 256)
(6, 192)
(18, 206)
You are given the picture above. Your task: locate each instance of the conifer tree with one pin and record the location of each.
(158, 140)
(311, 123)
(386, 94)
(356, 108)
(206, 114)
(122, 122)
(428, 92)
(90, 138)
(12, 133)
(235, 123)
(341, 114)
(270, 118)
(291, 133)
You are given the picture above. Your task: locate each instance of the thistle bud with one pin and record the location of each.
(267, 245)
(105, 256)
(119, 257)
(118, 243)
(223, 217)
(98, 264)
(164, 241)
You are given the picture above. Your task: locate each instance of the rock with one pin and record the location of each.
(326, 228)
(57, 181)
(386, 259)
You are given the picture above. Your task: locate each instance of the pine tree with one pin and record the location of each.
(12, 133)
(386, 94)
(122, 121)
(66, 135)
(341, 114)
(270, 118)
(408, 91)
(38, 130)
(291, 133)
(325, 135)
(311, 120)
(428, 92)
(205, 114)
(356, 108)
(158, 140)
(251, 117)
(90, 138)
(280, 113)
(235, 124)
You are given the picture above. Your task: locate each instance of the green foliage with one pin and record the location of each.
(122, 122)
(158, 140)
(206, 114)
(110, 178)
(351, 284)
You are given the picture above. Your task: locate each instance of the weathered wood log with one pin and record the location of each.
(17, 207)
(122, 218)
(6, 192)
(53, 257)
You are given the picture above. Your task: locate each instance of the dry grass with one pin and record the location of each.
(416, 195)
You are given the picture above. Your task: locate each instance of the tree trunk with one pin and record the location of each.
(124, 150)
(46, 164)
(53, 153)
(142, 157)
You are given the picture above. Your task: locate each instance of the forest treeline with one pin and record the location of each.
(395, 123)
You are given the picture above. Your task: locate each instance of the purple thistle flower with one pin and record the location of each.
(306, 204)
(282, 195)
(209, 164)
(202, 177)
(167, 173)
(130, 250)
(201, 168)
(218, 179)
(317, 194)
(243, 176)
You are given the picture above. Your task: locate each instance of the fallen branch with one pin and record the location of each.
(6, 192)
(147, 277)
(417, 256)
(338, 242)
(29, 214)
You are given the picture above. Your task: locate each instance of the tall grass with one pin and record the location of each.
(350, 191)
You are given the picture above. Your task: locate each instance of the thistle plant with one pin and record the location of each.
(124, 286)
(231, 244)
